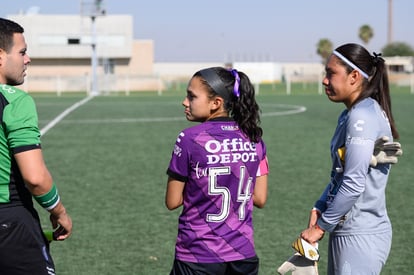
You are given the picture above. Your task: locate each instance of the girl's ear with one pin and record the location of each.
(354, 76)
(217, 103)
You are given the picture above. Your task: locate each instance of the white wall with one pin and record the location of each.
(258, 72)
(47, 35)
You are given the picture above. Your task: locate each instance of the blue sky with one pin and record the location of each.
(223, 30)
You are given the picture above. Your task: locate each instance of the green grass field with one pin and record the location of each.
(109, 158)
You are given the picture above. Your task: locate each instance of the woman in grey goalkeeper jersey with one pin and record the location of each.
(353, 206)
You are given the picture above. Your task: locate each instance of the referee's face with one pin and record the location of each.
(14, 62)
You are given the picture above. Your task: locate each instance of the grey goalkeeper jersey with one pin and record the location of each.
(354, 200)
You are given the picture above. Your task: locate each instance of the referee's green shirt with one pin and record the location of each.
(19, 132)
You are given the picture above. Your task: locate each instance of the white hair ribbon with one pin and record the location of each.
(352, 65)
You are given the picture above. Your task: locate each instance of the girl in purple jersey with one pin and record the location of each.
(353, 206)
(218, 172)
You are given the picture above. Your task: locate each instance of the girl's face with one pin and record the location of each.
(341, 86)
(199, 107)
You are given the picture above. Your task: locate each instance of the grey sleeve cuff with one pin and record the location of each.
(326, 226)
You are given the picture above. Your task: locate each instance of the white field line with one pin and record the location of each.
(62, 115)
(290, 110)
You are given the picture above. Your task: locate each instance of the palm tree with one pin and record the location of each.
(365, 33)
(324, 49)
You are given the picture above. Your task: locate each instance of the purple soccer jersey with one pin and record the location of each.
(219, 166)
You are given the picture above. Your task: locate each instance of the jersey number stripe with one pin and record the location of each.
(243, 196)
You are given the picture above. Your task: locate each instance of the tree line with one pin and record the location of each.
(366, 33)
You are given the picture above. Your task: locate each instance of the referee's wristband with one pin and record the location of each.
(49, 200)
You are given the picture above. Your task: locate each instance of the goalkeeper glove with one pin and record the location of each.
(305, 249)
(304, 261)
(385, 151)
(299, 265)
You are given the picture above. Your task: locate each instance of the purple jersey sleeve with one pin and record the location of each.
(219, 166)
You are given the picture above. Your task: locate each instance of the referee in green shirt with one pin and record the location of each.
(23, 173)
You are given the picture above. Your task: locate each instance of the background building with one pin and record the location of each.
(62, 54)
(60, 47)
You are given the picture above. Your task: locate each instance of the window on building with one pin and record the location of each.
(396, 68)
(109, 66)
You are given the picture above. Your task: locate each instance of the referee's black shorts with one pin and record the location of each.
(23, 247)
(248, 266)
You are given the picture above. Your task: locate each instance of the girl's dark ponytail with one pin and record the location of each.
(239, 97)
(376, 85)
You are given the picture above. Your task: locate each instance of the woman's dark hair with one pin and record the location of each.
(239, 101)
(7, 29)
(376, 85)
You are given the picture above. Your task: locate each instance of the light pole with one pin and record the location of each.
(94, 59)
(390, 19)
(96, 9)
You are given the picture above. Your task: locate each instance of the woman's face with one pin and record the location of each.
(198, 105)
(341, 86)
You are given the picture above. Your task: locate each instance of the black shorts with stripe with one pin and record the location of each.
(248, 266)
(23, 247)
